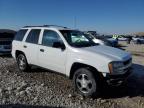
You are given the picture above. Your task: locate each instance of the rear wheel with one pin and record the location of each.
(85, 82)
(22, 63)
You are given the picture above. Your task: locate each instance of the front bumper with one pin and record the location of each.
(116, 80)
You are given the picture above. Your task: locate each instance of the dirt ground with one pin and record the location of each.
(43, 89)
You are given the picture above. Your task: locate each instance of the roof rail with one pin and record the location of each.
(46, 26)
(32, 26)
(54, 26)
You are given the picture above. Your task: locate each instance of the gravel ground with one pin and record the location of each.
(41, 88)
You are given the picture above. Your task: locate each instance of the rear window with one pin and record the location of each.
(20, 35)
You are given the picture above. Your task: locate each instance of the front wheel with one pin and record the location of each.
(85, 82)
(22, 63)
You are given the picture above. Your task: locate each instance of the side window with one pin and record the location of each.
(49, 37)
(20, 35)
(33, 36)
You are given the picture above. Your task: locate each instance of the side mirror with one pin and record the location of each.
(59, 45)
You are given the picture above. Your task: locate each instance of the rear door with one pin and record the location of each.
(50, 57)
(30, 46)
(17, 43)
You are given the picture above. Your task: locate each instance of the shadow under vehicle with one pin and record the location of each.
(132, 87)
(25, 106)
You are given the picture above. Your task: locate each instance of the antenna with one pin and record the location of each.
(75, 22)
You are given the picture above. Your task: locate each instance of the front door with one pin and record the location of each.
(50, 57)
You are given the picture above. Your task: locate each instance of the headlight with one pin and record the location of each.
(115, 66)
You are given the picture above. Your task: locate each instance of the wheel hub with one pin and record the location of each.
(21, 62)
(84, 84)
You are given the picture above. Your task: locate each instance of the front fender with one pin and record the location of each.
(100, 64)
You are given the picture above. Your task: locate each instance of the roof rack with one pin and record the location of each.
(46, 26)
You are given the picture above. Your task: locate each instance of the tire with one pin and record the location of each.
(86, 83)
(22, 63)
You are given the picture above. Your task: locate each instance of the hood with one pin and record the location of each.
(110, 52)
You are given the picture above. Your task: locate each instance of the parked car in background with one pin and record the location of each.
(94, 33)
(98, 39)
(103, 40)
(122, 38)
(6, 38)
(72, 53)
(138, 39)
(112, 41)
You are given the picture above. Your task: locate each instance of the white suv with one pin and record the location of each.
(73, 54)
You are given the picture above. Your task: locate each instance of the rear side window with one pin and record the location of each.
(20, 35)
(33, 36)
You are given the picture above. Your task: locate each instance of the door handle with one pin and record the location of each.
(25, 46)
(42, 50)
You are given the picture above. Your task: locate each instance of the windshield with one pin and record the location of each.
(77, 38)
